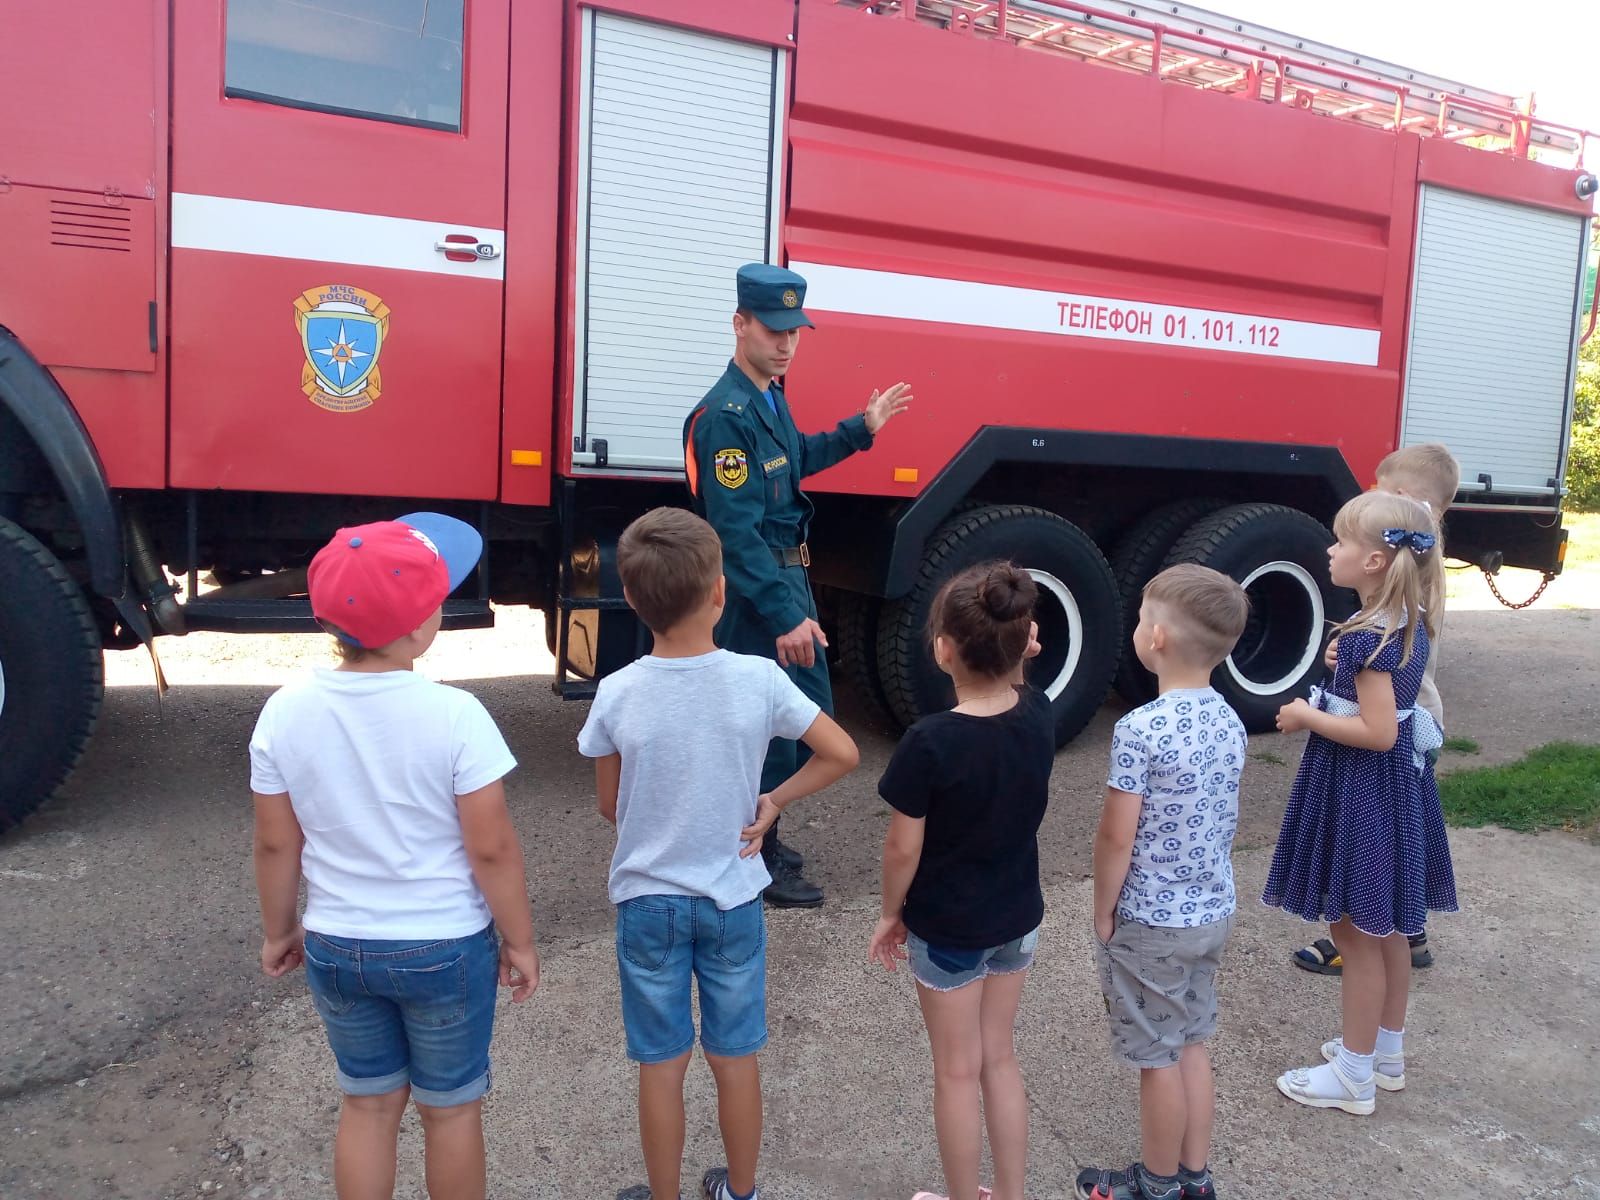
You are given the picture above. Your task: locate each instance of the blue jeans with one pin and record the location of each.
(663, 943)
(408, 1012)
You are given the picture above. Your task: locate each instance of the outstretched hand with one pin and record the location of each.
(884, 405)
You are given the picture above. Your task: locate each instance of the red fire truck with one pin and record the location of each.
(1167, 286)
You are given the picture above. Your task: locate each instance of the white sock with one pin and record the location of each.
(1391, 1041)
(1357, 1068)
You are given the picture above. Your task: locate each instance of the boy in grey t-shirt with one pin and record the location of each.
(678, 738)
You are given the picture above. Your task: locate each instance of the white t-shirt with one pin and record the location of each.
(692, 733)
(1183, 752)
(373, 763)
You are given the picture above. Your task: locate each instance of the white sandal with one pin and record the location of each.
(1296, 1085)
(1389, 1083)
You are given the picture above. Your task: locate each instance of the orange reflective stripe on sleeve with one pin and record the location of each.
(691, 467)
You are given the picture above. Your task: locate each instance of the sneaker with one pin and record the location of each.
(790, 889)
(983, 1194)
(639, 1191)
(1194, 1189)
(782, 852)
(715, 1185)
(1096, 1184)
(1391, 1080)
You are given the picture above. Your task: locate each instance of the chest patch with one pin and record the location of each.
(733, 468)
(773, 465)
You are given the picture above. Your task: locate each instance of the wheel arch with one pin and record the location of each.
(55, 442)
(877, 549)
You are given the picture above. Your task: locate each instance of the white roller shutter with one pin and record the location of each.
(1491, 354)
(680, 148)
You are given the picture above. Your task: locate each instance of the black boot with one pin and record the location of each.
(782, 852)
(789, 889)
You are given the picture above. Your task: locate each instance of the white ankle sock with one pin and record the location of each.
(1357, 1068)
(1391, 1041)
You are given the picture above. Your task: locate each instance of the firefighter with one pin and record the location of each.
(745, 460)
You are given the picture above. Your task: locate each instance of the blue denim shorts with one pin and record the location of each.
(665, 941)
(408, 1012)
(946, 968)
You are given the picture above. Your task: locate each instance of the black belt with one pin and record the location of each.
(792, 556)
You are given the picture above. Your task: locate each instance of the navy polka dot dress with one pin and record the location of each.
(1363, 833)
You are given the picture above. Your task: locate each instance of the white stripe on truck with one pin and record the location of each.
(962, 302)
(324, 235)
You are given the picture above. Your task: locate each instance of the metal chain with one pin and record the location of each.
(1539, 591)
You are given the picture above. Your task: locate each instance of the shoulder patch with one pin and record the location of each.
(733, 468)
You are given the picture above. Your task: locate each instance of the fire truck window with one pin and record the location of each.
(387, 60)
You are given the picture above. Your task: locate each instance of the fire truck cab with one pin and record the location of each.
(1167, 287)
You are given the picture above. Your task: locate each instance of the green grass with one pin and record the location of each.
(1554, 787)
(1461, 745)
(1267, 756)
(1583, 541)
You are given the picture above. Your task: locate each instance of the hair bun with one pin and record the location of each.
(1007, 592)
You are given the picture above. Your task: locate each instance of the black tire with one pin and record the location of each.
(1280, 555)
(1140, 554)
(1075, 589)
(856, 635)
(52, 676)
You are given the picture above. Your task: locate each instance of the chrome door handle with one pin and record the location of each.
(480, 250)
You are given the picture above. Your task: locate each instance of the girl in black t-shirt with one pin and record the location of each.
(961, 895)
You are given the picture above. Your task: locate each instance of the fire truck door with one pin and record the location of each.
(338, 242)
(680, 170)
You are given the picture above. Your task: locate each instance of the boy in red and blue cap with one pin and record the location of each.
(385, 790)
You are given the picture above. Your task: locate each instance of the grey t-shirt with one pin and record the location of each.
(692, 733)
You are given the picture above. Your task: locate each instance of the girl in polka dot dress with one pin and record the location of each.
(1363, 842)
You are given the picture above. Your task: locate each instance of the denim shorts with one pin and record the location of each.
(665, 941)
(946, 968)
(408, 1012)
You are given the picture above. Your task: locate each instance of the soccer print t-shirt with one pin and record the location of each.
(1183, 753)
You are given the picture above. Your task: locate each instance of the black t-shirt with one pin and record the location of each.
(982, 784)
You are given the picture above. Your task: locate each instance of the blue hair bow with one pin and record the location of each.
(1418, 541)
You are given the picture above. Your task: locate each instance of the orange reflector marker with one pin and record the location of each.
(527, 458)
(905, 474)
(1561, 554)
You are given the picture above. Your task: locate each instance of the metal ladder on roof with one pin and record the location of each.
(1184, 44)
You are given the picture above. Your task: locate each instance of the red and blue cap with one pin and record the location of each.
(376, 583)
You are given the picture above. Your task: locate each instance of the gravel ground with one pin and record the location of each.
(142, 1055)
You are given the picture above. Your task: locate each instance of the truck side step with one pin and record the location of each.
(294, 615)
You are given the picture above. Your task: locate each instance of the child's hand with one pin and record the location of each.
(888, 942)
(1294, 716)
(279, 956)
(751, 835)
(1104, 927)
(519, 970)
(1331, 658)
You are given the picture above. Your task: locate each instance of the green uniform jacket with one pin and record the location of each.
(745, 464)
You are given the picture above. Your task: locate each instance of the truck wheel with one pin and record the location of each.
(1280, 556)
(856, 635)
(52, 676)
(1138, 557)
(1079, 613)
